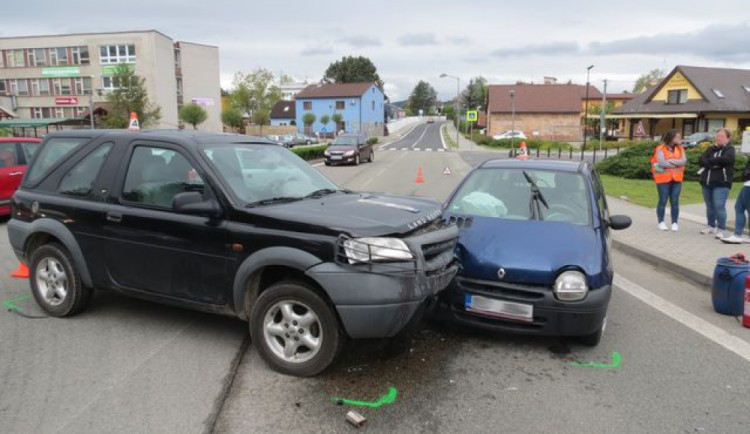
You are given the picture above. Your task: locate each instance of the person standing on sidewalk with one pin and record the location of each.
(741, 207)
(668, 168)
(716, 172)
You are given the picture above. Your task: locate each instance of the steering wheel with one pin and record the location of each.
(559, 212)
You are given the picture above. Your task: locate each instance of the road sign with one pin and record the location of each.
(447, 170)
(639, 130)
(472, 115)
(746, 142)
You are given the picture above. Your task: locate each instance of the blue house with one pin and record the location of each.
(361, 105)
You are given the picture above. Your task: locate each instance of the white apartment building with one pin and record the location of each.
(58, 77)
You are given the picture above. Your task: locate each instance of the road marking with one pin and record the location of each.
(404, 149)
(421, 137)
(377, 175)
(428, 149)
(442, 139)
(416, 149)
(318, 164)
(441, 150)
(705, 328)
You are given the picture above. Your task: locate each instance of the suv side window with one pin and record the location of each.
(29, 150)
(79, 181)
(54, 151)
(156, 175)
(8, 155)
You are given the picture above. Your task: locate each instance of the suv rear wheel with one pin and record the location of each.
(295, 330)
(55, 282)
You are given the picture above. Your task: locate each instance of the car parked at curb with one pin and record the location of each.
(349, 149)
(510, 134)
(232, 225)
(696, 139)
(534, 249)
(15, 155)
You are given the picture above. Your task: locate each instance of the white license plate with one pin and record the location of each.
(336, 157)
(499, 308)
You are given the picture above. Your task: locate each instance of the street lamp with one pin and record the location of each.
(512, 94)
(458, 93)
(586, 106)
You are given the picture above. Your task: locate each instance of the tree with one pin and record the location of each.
(593, 120)
(255, 94)
(308, 119)
(232, 118)
(647, 79)
(324, 120)
(475, 94)
(193, 114)
(352, 69)
(286, 79)
(129, 95)
(423, 97)
(338, 118)
(449, 111)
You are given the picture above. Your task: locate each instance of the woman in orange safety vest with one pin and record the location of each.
(668, 168)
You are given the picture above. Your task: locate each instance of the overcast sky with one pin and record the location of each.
(409, 40)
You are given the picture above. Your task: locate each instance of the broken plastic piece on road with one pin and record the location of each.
(388, 398)
(355, 418)
(615, 363)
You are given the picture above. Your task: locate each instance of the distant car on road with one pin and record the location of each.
(15, 155)
(430, 120)
(534, 249)
(510, 134)
(311, 140)
(297, 139)
(349, 148)
(696, 139)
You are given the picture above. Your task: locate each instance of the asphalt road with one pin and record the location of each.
(421, 137)
(126, 366)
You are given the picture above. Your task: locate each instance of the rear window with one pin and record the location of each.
(53, 152)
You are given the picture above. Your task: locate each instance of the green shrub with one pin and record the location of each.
(310, 152)
(5, 132)
(372, 141)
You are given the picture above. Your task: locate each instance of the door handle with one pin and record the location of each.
(115, 217)
(15, 173)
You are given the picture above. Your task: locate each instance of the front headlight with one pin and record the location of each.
(376, 250)
(571, 286)
(326, 153)
(349, 153)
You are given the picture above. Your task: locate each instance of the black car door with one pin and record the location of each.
(151, 248)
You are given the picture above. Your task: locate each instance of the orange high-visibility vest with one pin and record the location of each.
(668, 174)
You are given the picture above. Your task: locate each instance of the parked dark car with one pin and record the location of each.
(349, 149)
(534, 249)
(696, 139)
(15, 154)
(231, 225)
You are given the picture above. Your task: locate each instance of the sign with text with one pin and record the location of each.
(66, 100)
(472, 115)
(746, 142)
(203, 101)
(63, 71)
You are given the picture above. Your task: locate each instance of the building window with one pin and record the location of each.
(82, 86)
(715, 124)
(678, 96)
(36, 112)
(373, 105)
(3, 89)
(340, 105)
(59, 112)
(37, 57)
(110, 83)
(80, 55)
(56, 86)
(65, 87)
(58, 56)
(117, 53)
(15, 58)
(307, 105)
(19, 87)
(2, 59)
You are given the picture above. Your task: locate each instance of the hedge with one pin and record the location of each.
(635, 163)
(311, 152)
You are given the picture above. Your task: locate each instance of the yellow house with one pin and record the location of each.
(690, 99)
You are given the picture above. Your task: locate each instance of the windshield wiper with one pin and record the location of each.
(322, 192)
(536, 198)
(280, 199)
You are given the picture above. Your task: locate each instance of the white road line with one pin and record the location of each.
(442, 139)
(404, 149)
(415, 149)
(428, 149)
(422, 136)
(708, 330)
(380, 173)
(441, 150)
(318, 164)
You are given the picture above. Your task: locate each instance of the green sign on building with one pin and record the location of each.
(62, 71)
(109, 70)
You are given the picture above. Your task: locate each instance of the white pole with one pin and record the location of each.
(603, 126)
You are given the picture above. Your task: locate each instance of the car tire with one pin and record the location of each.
(55, 282)
(327, 163)
(271, 336)
(356, 160)
(593, 339)
(371, 158)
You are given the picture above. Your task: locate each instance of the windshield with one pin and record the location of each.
(344, 141)
(506, 194)
(257, 173)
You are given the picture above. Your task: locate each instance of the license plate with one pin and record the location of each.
(336, 157)
(499, 308)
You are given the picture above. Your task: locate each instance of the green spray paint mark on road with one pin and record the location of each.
(615, 363)
(388, 398)
(10, 304)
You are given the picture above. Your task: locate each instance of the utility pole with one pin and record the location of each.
(586, 107)
(603, 117)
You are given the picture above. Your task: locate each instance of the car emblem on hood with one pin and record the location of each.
(501, 273)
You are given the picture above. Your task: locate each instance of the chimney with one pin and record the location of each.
(550, 80)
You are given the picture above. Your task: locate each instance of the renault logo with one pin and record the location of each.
(501, 273)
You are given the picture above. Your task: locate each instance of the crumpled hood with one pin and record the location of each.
(355, 214)
(531, 252)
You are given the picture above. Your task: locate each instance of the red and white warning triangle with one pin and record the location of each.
(447, 170)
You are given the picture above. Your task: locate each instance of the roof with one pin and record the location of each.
(284, 110)
(625, 95)
(85, 34)
(510, 163)
(540, 98)
(334, 90)
(729, 82)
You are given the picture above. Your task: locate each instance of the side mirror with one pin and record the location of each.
(619, 222)
(192, 202)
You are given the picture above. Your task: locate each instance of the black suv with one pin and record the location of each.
(227, 224)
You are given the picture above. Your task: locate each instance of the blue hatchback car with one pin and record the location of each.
(534, 249)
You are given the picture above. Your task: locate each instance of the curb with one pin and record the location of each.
(678, 270)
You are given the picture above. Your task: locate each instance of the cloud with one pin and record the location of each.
(551, 49)
(718, 42)
(459, 40)
(361, 41)
(316, 51)
(413, 39)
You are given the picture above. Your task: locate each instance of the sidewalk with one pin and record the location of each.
(465, 144)
(686, 253)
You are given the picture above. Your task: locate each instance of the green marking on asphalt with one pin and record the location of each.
(388, 398)
(10, 304)
(615, 363)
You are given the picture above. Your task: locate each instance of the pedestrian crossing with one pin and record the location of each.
(415, 149)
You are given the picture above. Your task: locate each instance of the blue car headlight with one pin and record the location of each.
(571, 286)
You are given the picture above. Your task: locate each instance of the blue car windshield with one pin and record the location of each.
(507, 194)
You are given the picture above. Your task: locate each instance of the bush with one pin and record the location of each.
(311, 152)
(534, 144)
(372, 141)
(5, 132)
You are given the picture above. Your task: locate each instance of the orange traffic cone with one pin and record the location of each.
(21, 273)
(522, 152)
(420, 179)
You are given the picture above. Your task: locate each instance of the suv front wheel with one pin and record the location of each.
(55, 282)
(295, 330)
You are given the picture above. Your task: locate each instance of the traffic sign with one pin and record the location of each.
(472, 115)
